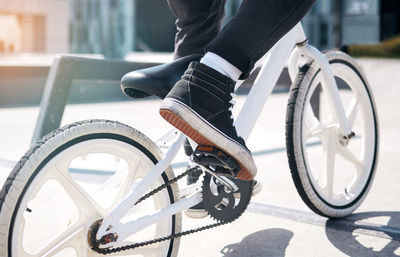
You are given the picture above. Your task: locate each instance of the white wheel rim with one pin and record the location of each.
(89, 204)
(347, 169)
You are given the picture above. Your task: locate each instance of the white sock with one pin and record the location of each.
(221, 65)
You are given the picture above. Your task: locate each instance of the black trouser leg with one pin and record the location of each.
(258, 25)
(198, 22)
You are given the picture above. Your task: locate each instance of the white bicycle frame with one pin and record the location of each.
(292, 48)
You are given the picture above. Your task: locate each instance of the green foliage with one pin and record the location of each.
(387, 49)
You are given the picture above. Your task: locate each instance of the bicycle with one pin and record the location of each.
(131, 177)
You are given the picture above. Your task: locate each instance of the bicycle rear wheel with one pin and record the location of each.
(75, 176)
(332, 176)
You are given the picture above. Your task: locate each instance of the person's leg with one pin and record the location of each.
(200, 103)
(258, 25)
(197, 22)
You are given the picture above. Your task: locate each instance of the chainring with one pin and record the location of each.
(220, 203)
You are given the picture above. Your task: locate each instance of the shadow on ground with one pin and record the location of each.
(347, 234)
(264, 243)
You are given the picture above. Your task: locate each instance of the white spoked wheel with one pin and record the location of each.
(332, 175)
(74, 177)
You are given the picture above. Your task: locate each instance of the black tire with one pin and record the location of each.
(303, 177)
(28, 170)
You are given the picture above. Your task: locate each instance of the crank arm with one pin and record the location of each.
(189, 189)
(224, 180)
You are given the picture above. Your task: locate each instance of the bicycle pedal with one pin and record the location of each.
(215, 159)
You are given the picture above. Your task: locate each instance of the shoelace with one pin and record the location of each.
(232, 102)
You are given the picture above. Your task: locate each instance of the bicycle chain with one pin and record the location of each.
(165, 238)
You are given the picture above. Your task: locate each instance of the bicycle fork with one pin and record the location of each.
(328, 84)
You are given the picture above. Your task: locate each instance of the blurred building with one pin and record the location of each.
(117, 27)
(334, 23)
(390, 18)
(10, 34)
(34, 26)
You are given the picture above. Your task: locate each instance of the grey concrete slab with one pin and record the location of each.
(263, 235)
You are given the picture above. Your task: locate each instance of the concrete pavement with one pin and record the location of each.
(277, 222)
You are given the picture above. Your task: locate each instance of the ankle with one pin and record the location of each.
(221, 65)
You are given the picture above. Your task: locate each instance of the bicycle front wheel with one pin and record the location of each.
(74, 177)
(331, 175)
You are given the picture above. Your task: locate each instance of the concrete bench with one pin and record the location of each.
(68, 70)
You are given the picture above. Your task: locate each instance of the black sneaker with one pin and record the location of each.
(200, 106)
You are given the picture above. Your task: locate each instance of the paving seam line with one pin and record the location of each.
(344, 224)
